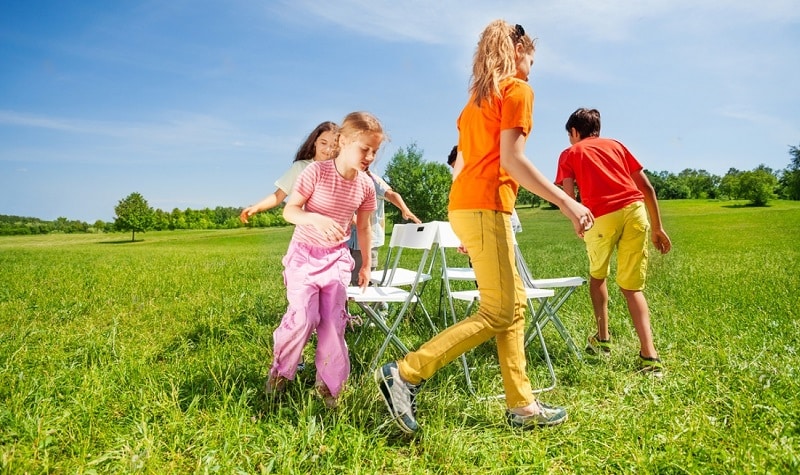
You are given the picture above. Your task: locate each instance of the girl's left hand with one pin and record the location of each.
(363, 278)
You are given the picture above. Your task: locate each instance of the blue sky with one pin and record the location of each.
(203, 103)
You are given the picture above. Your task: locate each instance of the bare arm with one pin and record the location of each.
(394, 198)
(568, 185)
(294, 213)
(364, 233)
(269, 202)
(660, 239)
(513, 160)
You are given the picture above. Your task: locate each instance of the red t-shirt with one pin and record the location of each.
(482, 182)
(602, 170)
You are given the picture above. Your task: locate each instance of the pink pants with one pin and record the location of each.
(316, 280)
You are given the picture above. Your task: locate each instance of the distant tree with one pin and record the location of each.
(658, 181)
(160, 220)
(525, 197)
(700, 183)
(133, 214)
(790, 178)
(423, 185)
(177, 220)
(758, 186)
(676, 188)
(729, 185)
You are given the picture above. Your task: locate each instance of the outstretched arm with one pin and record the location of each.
(394, 198)
(269, 202)
(513, 160)
(660, 239)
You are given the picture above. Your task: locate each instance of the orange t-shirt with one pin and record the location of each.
(482, 183)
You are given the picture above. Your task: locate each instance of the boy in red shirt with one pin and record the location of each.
(614, 187)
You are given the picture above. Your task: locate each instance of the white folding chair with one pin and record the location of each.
(446, 239)
(411, 236)
(473, 297)
(547, 312)
(394, 275)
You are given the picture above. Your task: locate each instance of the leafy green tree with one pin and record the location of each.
(525, 197)
(758, 186)
(790, 179)
(700, 183)
(133, 214)
(729, 185)
(676, 188)
(160, 220)
(423, 185)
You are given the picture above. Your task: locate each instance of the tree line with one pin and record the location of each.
(425, 186)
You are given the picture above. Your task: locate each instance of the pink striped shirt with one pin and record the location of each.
(328, 194)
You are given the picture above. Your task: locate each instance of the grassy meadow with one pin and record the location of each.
(150, 357)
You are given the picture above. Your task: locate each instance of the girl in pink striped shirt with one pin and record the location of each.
(317, 265)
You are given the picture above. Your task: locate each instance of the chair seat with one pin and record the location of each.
(460, 273)
(558, 282)
(379, 294)
(400, 278)
(469, 295)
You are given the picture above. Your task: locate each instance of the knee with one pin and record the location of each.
(501, 314)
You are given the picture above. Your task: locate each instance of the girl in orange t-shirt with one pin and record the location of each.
(489, 168)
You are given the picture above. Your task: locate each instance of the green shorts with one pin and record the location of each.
(626, 230)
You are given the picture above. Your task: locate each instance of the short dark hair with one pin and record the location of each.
(451, 159)
(585, 121)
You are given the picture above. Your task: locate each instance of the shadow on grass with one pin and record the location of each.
(124, 241)
(746, 205)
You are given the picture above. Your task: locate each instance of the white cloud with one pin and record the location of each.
(451, 21)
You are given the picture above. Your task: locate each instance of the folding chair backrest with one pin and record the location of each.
(522, 267)
(418, 236)
(413, 236)
(447, 237)
(391, 255)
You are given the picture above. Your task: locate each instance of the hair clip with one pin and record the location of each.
(519, 32)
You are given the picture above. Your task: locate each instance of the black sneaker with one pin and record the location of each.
(548, 416)
(399, 397)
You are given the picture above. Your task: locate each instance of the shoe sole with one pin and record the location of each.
(383, 381)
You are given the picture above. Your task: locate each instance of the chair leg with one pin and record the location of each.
(391, 337)
(547, 361)
(549, 313)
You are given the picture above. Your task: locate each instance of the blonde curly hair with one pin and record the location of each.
(494, 58)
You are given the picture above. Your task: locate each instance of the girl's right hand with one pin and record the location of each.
(329, 228)
(246, 213)
(582, 219)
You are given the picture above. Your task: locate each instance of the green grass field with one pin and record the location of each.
(150, 357)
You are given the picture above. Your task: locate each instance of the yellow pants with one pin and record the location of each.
(488, 238)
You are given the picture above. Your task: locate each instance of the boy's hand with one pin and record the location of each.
(661, 241)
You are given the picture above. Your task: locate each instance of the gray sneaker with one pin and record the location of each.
(548, 416)
(399, 397)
